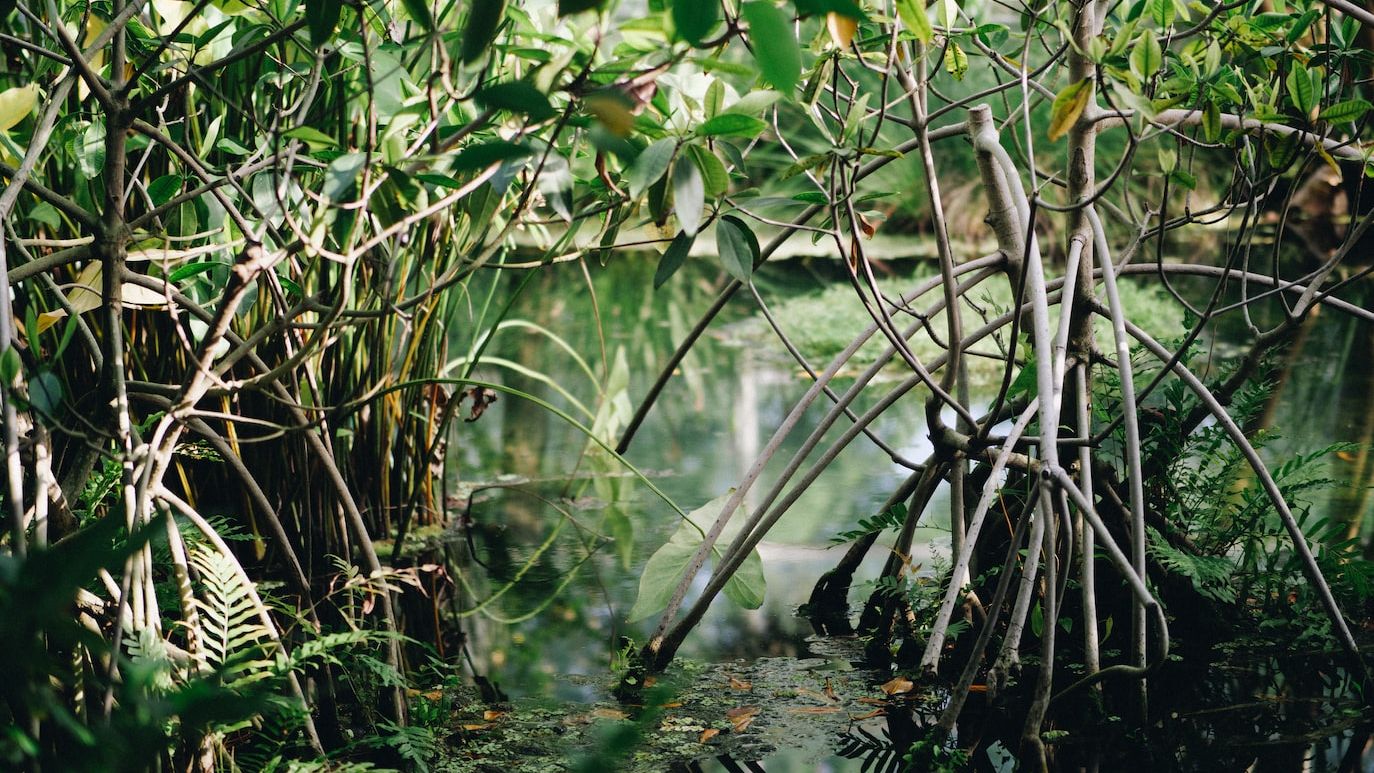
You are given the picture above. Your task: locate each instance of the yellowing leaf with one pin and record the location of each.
(85, 295)
(1068, 106)
(897, 686)
(16, 103)
(842, 29)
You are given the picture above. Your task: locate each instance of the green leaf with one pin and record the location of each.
(667, 566)
(1068, 106)
(1301, 90)
(712, 171)
(322, 16)
(673, 258)
(1147, 56)
(775, 44)
(753, 103)
(316, 139)
(164, 188)
(693, 19)
(568, 7)
(192, 269)
(652, 162)
(913, 16)
(420, 13)
(738, 247)
(1162, 11)
(730, 124)
(484, 155)
(517, 97)
(484, 19)
(47, 214)
(848, 8)
(10, 364)
(342, 174)
(1348, 111)
(689, 195)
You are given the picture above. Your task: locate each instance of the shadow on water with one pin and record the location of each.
(553, 539)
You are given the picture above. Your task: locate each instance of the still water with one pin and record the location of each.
(569, 531)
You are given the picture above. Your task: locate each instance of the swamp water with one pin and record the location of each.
(559, 537)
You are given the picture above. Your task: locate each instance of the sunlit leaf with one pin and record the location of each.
(1147, 56)
(667, 566)
(1068, 107)
(713, 172)
(730, 124)
(16, 103)
(956, 61)
(1301, 90)
(841, 28)
(1349, 111)
(913, 16)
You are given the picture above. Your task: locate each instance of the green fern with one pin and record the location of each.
(232, 636)
(1211, 575)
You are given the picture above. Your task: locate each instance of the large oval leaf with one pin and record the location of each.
(693, 19)
(483, 20)
(775, 45)
(689, 195)
(739, 250)
(667, 566)
(650, 165)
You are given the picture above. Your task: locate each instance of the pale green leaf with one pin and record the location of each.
(650, 166)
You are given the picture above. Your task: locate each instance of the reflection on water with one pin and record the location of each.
(563, 553)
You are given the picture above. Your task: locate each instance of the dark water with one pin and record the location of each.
(549, 520)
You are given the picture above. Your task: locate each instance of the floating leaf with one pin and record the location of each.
(775, 44)
(1068, 106)
(897, 686)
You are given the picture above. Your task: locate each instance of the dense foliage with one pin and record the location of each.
(243, 242)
